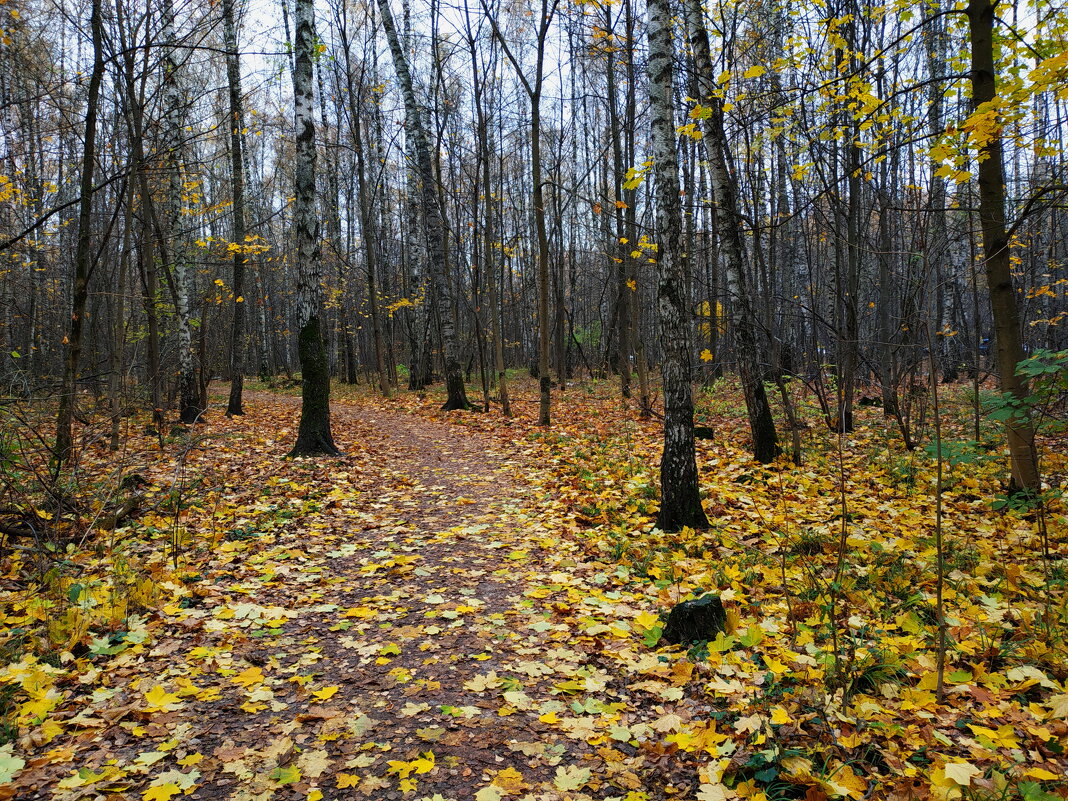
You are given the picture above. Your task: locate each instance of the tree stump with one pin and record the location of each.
(699, 620)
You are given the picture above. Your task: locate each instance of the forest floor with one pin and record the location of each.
(467, 607)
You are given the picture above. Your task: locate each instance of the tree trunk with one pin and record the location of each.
(435, 233)
(368, 228)
(237, 181)
(680, 503)
(116, 382)
(544, 382)
(190, 409)
(619, 247)
(83, 256)
(313, 436)
(492, 274)
(1018, 429)
(728, 226)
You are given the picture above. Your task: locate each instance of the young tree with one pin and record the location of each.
(313, 436)
(680, 503)
(190, 405)
(237, 181)
(479, 80)
(83, 257)
(533, 87)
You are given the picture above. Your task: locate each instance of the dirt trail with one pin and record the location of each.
(394, 635)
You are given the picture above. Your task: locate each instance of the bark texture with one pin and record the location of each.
(728, 226)
(190, 406)
(313, 435)
(435, 230)
(680, 502)
(83, 257)
(237, 177)
(1009, 349)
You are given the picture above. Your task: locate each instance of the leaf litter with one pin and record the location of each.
(469, 607)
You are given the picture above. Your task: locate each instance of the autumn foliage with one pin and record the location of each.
(470, 606)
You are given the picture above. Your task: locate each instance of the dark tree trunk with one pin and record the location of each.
(237, 178)
(83, 256)
(1018, 429)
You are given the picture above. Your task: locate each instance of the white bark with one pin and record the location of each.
(680, 503)
(174, 105)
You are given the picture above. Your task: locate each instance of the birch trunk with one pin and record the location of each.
(728, 225)
(680, 503)
(435, 233)
(313, 436)
(190, 408)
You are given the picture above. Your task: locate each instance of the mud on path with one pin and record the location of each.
(394, 623)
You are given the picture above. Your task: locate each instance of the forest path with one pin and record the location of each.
(397, 622)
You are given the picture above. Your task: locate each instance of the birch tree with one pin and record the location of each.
(680, 503)
(190, 405)
(313, 436)
(728, 226)
(435, 231)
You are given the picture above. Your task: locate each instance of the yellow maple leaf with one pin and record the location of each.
(572, 778)
(843, 781)
(510, 780)
(248, 678)
(158, 698)
(646, 620)
(425, 763)
(960, 773)
(780, 716)
(1042, 774)
(326, 692)
(774, 665)
(161, 793)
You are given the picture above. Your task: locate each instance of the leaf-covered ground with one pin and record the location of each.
(468, 607)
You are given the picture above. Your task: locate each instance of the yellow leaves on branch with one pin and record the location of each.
(985, 125)
(1051, 73)
(636, 175)
(690, 130)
